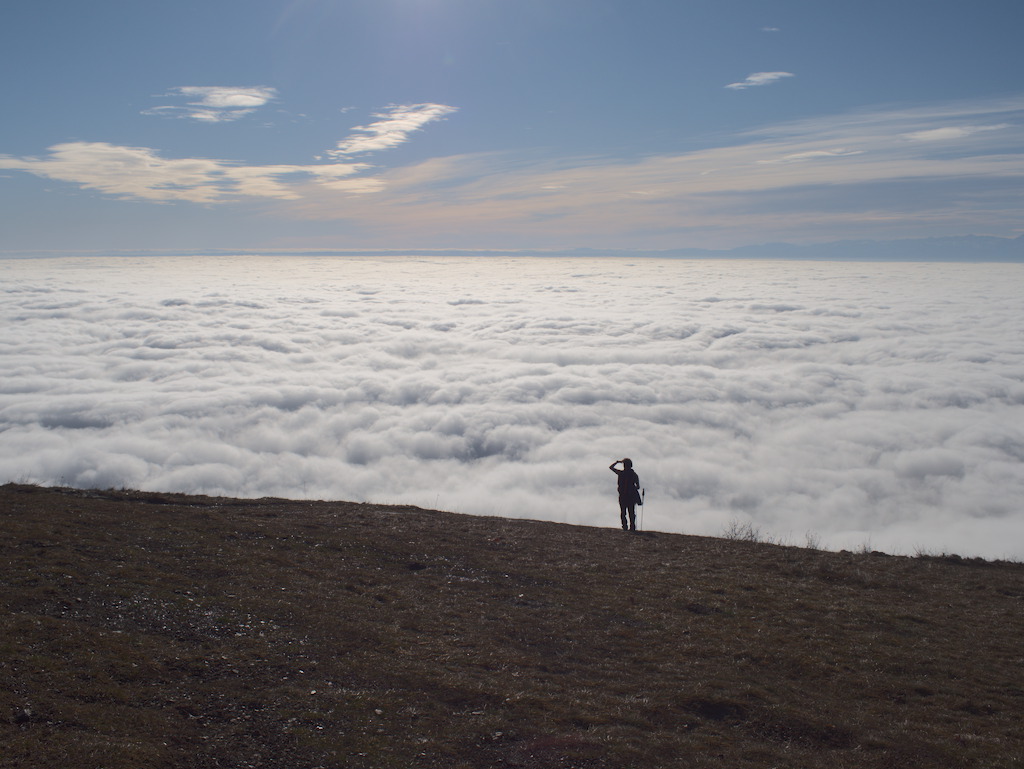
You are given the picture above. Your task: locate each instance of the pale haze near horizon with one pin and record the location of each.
(870, 405)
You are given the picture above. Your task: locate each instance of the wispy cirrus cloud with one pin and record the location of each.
(898, 172)
(799, 157)
(393, 128)
(827, 176)
(952, 133)
(215, 104)
(758, 79)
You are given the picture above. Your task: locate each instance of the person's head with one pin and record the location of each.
(627, 463)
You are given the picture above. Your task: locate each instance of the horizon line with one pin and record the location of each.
(980, 248)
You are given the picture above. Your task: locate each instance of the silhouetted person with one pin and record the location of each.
(629, 492)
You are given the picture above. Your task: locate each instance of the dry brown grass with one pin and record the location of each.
(159, 630)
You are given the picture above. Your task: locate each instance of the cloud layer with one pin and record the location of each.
(870, 404)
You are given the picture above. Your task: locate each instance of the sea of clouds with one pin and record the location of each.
(857, 404)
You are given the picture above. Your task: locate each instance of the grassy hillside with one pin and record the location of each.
(159, 630)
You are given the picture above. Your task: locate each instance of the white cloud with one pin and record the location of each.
(952, 133)
(218, 97)
(758, 79)
(799, 157)
(822, 178)
(216, 104)
(393, 128)
(142, 174)
(877, 403)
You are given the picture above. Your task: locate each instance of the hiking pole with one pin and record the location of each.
(643, 494)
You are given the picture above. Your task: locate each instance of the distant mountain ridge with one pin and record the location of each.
(953, 248)
(960, 248)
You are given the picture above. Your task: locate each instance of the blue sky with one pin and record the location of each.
(507, 124)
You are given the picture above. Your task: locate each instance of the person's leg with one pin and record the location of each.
(622, 515)
(632, 517)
